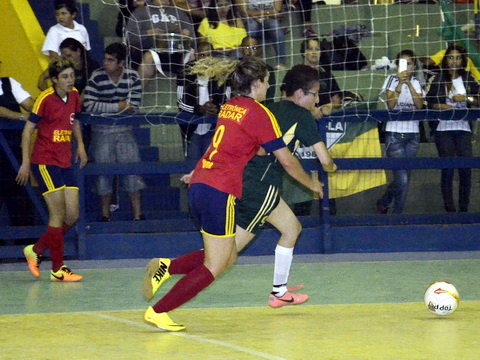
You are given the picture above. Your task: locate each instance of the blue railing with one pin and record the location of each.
(325, 224)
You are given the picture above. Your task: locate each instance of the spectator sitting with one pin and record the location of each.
(199, 94)
(113, 89)
(329, 94)
(250, 46)
(221, 29)
(74, 51)
(306, 14)
(13, 98)
(262, 21)
(149, 37)
(66, 27)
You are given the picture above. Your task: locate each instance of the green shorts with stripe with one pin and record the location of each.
(258, 201)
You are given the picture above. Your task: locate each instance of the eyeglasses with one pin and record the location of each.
(315, 94)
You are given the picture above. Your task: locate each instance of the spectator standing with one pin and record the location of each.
(66, 27)
(454, 88)
(222, 29)
(433, 62)
(402, 139)
(262, 21)
(55, 116)
(115, 89)
(13, 98)
(199, 94)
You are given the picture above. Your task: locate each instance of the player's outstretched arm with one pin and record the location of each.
(324, 157)
(292, 166)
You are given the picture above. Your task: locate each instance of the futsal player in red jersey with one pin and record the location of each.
(54, 115)
(244, 125)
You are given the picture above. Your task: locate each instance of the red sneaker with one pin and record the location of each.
(289, 298)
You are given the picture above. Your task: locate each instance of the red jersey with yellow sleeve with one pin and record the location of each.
(243, 126)
(54, 118)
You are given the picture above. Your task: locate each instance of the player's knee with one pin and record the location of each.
(295, 230)
(71, 218)
(232, 260)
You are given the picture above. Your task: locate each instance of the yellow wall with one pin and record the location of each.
(21, 44)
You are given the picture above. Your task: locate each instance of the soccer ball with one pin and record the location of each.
(441, 298)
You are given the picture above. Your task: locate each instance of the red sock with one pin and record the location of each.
(185, 289)
(42, 244)
(56, 248)
(45, 241)
(65, 228)
(186, 263)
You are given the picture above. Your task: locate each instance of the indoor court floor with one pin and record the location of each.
(362, 306)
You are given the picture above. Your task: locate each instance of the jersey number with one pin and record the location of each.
(217, 139)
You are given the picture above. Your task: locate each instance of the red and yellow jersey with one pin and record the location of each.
(54, 119)
(243, 126)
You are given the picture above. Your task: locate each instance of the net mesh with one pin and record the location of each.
(377, 32)
(359, 44)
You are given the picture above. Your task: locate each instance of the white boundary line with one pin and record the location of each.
(189, 337)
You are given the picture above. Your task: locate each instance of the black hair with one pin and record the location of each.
(299, 77)
(303, 45)
(118, 50)
(69, 4)
(212, 14)
(248, 37)
(73, 44)
(444, 65)
(408, 53)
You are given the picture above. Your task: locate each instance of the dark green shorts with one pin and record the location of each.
(258, 201)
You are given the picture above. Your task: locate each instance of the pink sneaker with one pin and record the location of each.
(288, 298)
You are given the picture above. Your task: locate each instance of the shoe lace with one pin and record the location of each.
(66, 270)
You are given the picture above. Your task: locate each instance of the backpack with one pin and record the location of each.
(341, 53)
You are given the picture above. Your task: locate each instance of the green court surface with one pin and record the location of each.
(366, 306)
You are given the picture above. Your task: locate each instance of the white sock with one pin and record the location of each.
(283, 261)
